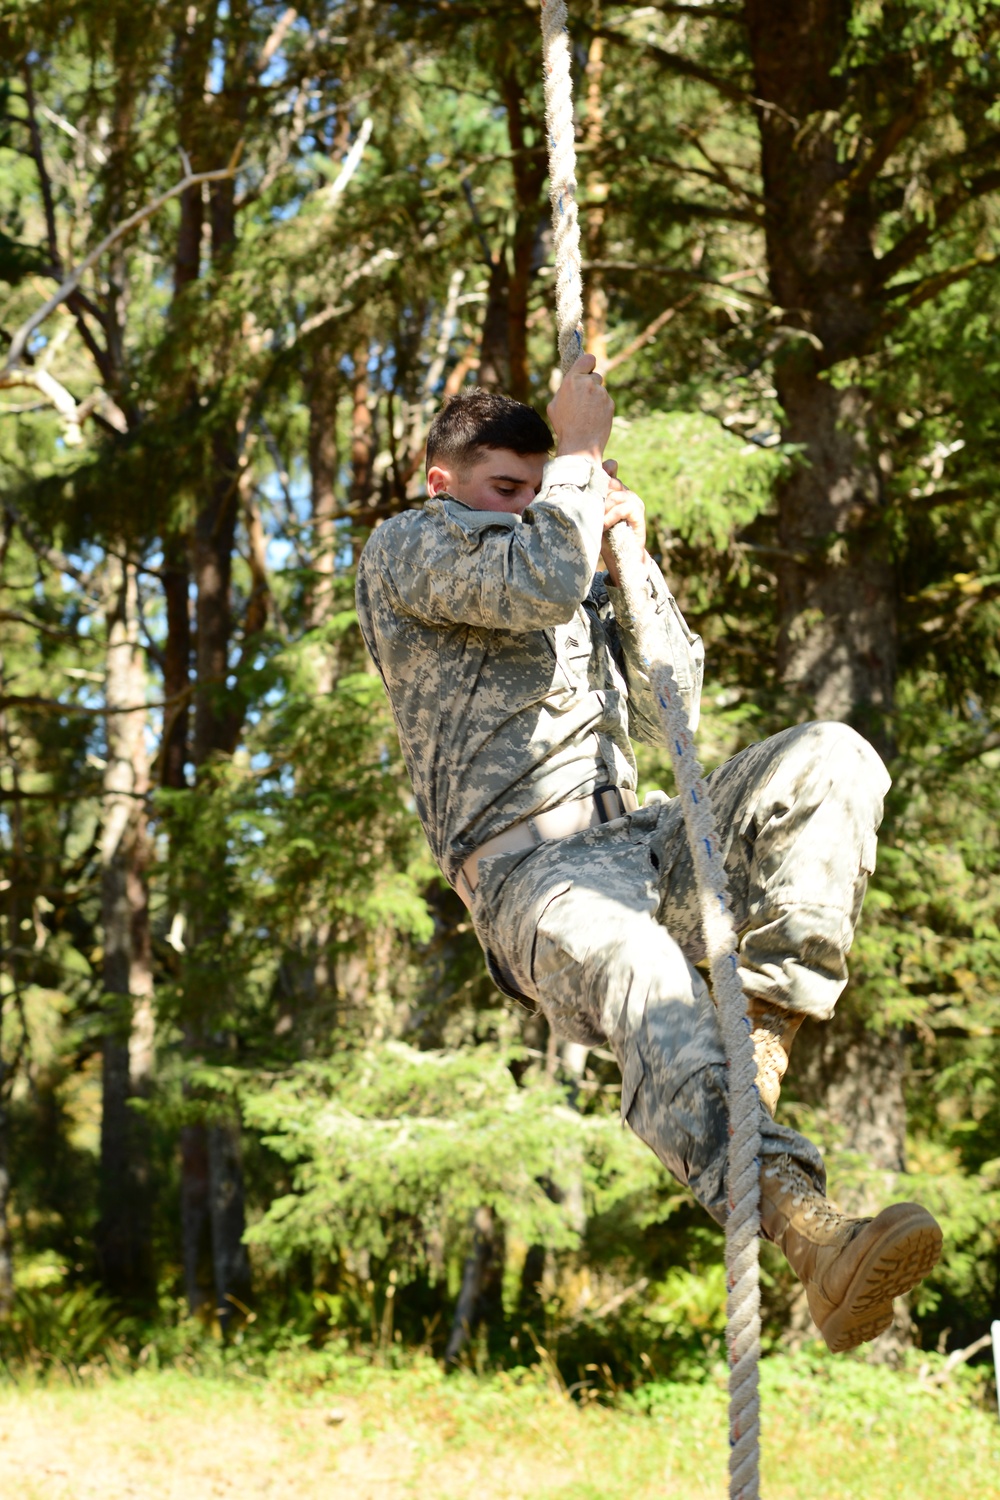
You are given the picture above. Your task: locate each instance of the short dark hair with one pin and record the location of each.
(474, 421)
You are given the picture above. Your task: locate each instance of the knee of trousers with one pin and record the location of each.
(813, 826)
(613, 979)
(855, 768)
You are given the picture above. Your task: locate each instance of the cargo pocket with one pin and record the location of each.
(631, 1022)
(536, 922)
(556, 972)
(632, 1075)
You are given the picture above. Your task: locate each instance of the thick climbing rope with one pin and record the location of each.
(743, 1178)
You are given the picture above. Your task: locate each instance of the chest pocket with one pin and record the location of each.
(574, 648)
(582, 651)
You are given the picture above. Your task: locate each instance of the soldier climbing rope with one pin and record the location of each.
(743, 1182)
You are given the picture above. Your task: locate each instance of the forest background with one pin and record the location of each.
(255, 1086)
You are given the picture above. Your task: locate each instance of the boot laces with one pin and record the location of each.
(803, 1193)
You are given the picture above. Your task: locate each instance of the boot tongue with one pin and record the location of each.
(825, 1217)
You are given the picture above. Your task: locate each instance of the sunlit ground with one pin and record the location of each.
(376, 1435)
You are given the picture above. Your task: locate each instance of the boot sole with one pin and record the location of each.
(899, 1258)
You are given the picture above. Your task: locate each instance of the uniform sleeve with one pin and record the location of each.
(483, 568)
(684, 650)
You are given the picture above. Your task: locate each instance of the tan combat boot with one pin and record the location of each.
(772, 1030)
(851, 1268)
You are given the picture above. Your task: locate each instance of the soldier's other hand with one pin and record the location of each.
(581, 411)
(622, 504)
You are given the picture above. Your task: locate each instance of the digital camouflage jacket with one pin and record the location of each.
(509, 663)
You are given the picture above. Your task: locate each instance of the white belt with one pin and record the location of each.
(602, 805)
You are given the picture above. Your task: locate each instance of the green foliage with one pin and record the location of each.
(63, 1330)
(311, 968)
(394, 1149)
(701, 482)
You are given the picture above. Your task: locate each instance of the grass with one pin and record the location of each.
(833, 1430)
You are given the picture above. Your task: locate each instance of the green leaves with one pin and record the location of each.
(393, 1150)
(699, 480)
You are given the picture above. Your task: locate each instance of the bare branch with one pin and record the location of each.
(953, 494)
(44, 181)
(77, 302)
(73, 413)
(351, 162)
(326, 314)
(14, 617)
(55, 393)
(55, 705)
(680, 273)
(68, 129)
(193, 179)
(676, 62)
(895, 133)
(281, 29)
(719, 171)
(648, 334)
(9, 794)
(702, 12)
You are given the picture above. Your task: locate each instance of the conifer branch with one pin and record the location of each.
(916, 240)
(895, 133)
(52, 555)
(924, 288)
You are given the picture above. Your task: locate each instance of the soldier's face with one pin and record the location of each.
(500, 480)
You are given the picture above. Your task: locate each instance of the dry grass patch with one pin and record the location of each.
(378, 1435)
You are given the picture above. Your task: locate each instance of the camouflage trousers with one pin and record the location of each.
(602, 930)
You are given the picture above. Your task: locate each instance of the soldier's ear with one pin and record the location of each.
(439, 480)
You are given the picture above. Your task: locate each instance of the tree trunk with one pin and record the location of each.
(207, 120)
(854, 1076)
(837, 605)
(218, 720)
(837, 594)
(482, 1278)
(195, 1228)
(215, 725)
(123, 1236)
(528, 171)
(323, 464)
(8, 961)
(6, 1258)
(174, 754)
(571, 1058)
(494, 342)
(213, 1157)
(177, 664)
(230, 1263)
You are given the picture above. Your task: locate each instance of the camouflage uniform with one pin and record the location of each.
(510, 697)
